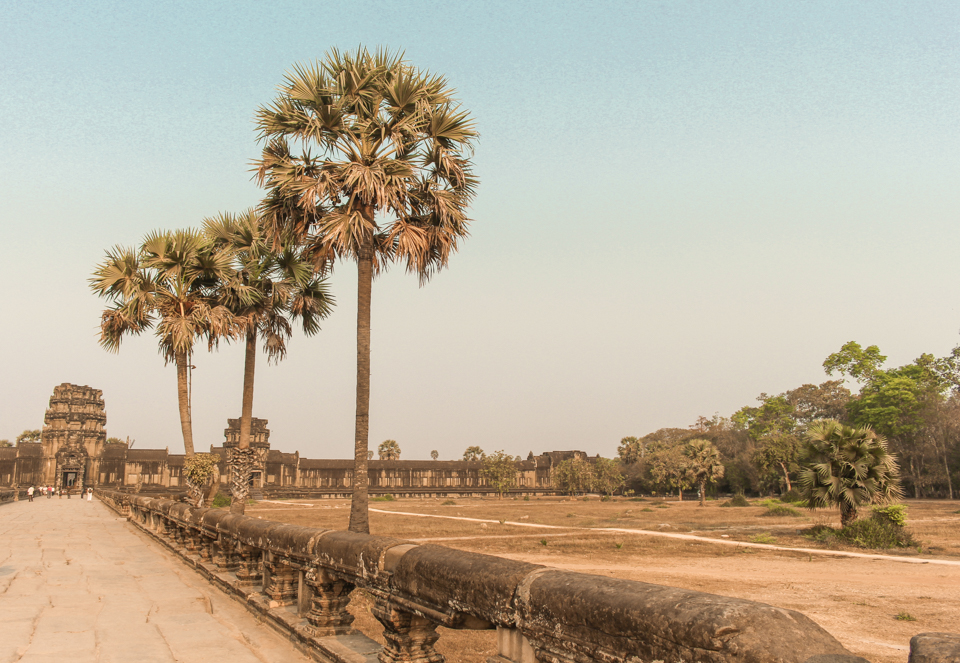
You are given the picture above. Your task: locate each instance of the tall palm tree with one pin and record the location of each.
(367, 158)
(703, 465)
(167, 284)
(267, 289)
(847, 467)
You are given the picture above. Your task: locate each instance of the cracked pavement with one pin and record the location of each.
(78, 584)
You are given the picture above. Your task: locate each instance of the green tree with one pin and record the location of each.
(29, 436)
(499, 469)
(669, 468)
(5, 443)
(852, 360)
(703, 465)
(631, 450)
(473, 454)
(168, 284)
(270, 285)
(389, 450)
(607, 476)
(434, 454)
(383, 174)
(573, 476)
(772, 427)
(847, 467)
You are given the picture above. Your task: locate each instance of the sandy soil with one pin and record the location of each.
(857, 599)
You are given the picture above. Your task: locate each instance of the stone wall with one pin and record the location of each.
(300, 580)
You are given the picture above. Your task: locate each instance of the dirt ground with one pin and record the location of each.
(710, 549)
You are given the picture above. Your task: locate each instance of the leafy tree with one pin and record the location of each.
(573, 476)
(810, 402)
(383, 174)
(198, 470)
(631, 450)
(5, 443)
(434, 454)
(669, 468)
(703, 465)
(859, 363)
(169, 284)
(771, 426)
(500, 471)
(389, 450)
(607, 476)
(473, 454)
(29, 436)
(847, 467)
(270, 285)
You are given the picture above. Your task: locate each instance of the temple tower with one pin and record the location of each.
(73, 436)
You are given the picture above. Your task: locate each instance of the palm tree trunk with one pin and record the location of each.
(183, 399)
(240, 470)
(359, 518)
(703, 492)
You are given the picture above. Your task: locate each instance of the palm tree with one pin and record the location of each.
(382, 174)
(847, 467)
(389, 450)
(267, 288)
(167, 284)
(703, 465)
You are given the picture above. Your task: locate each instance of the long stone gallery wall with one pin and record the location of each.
(73, 453)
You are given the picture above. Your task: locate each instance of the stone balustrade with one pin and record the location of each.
(12, 494)
(300, 580)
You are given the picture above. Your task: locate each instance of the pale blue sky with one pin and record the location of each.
(683, 204)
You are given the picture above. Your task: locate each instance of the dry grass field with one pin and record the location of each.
(711, 549)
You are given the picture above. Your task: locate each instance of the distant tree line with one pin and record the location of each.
(766, 448)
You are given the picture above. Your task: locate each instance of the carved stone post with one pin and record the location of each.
(409, 637)
(323, 601)
(191, 540)
(240, 464)
(224, 554)
(279, 581)
(207, 545)
(248, 570)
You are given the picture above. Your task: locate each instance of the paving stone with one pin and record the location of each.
(79, 584)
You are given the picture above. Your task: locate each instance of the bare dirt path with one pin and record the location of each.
(692, 537)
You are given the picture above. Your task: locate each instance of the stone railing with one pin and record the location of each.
(300, 580)
(12, 495)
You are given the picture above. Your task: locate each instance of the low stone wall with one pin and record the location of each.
(8, 495)
(300, 579)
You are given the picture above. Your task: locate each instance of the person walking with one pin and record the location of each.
(49, 492)
(89, 494)
(30, 494)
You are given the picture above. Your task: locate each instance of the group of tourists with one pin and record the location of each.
(60, 492)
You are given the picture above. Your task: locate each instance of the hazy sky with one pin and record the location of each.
(682, 205)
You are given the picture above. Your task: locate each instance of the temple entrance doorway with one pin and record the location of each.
(256, 479)
(69, 479)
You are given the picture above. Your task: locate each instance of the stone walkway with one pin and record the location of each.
(78, 584)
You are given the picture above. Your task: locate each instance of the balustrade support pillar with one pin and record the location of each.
(410, 637)
(249, 570)
(323, 602)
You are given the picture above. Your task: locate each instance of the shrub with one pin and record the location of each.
(448, 503)
(383, 498)
(640, 499)
(737, 500)
(763, 537)
(896, 514)
(646, 508)
(543, 542)
(881, 530)
(905, 617)
(782, 510)
(791, 496)
(605, 498)
(220, 501)
(526, 498)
